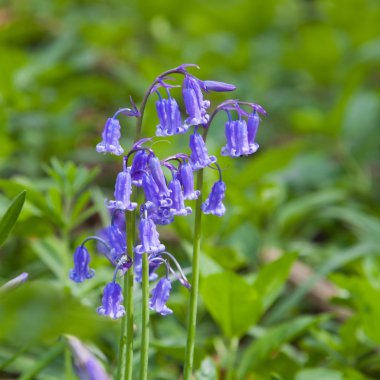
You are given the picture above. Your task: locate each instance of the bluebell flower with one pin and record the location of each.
(149, 237)
(123, 191)
(158, 176)
(186, 177)
(214, 203)
(252, 127)
(111, 135)
(212, 85)
(116, 243)
(199, 158)
(139, 166)
(112, 301)
(169, 117)
(152, 192)
(160, 295)
(81, 269)
(87, 366)
(161, 215)
(178, 205)
(236, 132)
(194, 103)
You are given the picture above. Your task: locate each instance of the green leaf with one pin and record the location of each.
(272, 277)
(10, 217)
(318, 374)
(261, 348)
(232, 302)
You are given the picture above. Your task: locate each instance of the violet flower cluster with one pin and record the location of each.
(165, 183)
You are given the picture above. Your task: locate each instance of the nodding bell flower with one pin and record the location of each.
(199, 154)
(123, 191)
(178, 205)
(139, 166)
(169, 117)
(236, 132)
(158, 176)
(160, 295)
(152, 192)
(161, 215)
(194, 103)
(252, 127)
(212, 85)
(111, 136)
(81, 269)
(186, 177)
(149, 237)
(214, 203)
(112, 301)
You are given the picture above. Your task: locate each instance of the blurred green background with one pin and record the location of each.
(311, 192)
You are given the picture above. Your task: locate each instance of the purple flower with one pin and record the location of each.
(199, 154)
(14, 283)
(123, 191)
(152, 192)
(139, 165)
(213, 204)
(194, 103)
(86, 364)
(252, 126)
(212, 85)
(158, 176)
(81, 269)
(160, 295)
(149, 237)
(169, 117)
(111, 301)
(176, 195)
(116, 240)
(111, 136)
(161, 215)
(186, 176)
(236, 132)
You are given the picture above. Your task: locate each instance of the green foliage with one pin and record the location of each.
(311, 191)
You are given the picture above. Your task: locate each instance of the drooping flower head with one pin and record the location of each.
(195, 105)
(111, 135)
(81, 269)
(178, 205)
(149, 237)
(112, 301)
(186, 177)
(214, 203)
(158, 176)
(139, 166)
(252, 127)
(160, 295)
(199, 155)
(123, 191)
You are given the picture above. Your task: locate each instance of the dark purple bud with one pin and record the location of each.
(176, 195)
(139, 165)
(211, 85)
(158, 176)
(213, 204)
(186, 177)
(194, 103)
(199, 154)
(169, 117)
(112, 301)
(123, 191)
(111, 136)
(149, 237)
(160, 295)
(81, 269)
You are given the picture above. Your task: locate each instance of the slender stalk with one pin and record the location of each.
(234, 344)
(193, 305)
(145, 319)
(125, 362)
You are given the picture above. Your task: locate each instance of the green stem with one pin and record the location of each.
(145, 319)
(125, 362)
(189, 359)
(234, 344)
